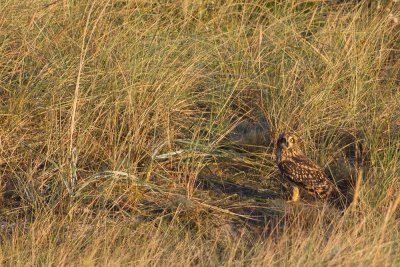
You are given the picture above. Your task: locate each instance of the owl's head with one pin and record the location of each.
(287, 146)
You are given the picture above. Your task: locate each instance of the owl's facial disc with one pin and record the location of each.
(287, 141)
(290, 141)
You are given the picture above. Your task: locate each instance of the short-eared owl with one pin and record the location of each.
(299, 170)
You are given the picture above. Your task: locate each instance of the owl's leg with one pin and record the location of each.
(296, 194)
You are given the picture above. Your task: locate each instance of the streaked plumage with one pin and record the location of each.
(300, 171)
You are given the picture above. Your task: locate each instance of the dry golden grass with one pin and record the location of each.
(114, 119)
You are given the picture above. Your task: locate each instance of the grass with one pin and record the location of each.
(114, 118)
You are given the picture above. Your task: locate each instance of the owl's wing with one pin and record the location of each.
(307, 175)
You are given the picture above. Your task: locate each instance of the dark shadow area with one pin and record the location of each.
(207, 183)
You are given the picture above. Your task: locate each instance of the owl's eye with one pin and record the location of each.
(291, 140)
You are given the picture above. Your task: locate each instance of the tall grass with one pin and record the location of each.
(114, 117)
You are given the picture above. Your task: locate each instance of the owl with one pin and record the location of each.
(300, 171)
